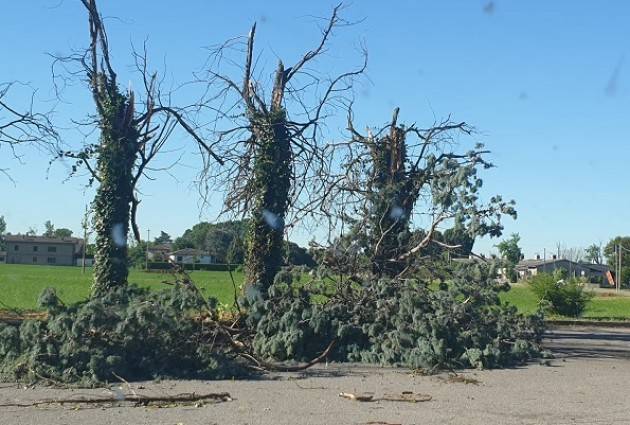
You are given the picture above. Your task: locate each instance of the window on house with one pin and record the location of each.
(35, 248)
(16, 247)
(180, 258)
(52, 260)
(52, 249)
(34, 259)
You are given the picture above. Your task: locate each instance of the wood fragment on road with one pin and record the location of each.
(405, 396)
(134, 399)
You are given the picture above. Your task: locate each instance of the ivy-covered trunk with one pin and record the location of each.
(392, 199)
(117, 152)
(272, 182)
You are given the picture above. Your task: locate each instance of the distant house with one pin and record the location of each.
(89, 261)
(159, 252)
(41, 250)
(3, 257)
(592, 272)
(190, 256)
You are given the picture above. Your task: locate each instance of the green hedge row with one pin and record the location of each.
(207, 267)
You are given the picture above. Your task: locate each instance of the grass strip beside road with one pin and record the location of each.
(20, 286)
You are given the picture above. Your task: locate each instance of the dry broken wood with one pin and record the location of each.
(459, 379)
(355, 397)
(405, 396)
(271, 367)
(381, 423)
(135, 399)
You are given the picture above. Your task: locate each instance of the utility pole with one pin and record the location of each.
(620, 268)
(146, 262)
(618, 258)
(85, 237)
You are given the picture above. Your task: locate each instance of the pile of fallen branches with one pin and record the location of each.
(132, 333)
(461, 324)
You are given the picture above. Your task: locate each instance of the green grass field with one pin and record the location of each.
(20, 285)
(601, 307)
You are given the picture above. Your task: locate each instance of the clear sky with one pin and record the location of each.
(547, 85)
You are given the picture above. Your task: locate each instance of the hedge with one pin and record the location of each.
(206, 267)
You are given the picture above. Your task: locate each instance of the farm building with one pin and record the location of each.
(592, 272)
(41, 250)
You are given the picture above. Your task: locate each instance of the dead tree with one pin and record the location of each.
(23, 126)
(129, 140)
(397, 173)
(276, 163)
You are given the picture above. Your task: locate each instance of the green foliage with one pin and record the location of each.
(137, 254)
(566, 298)
(164, 238)
(593, 254)
(63, 233)
(610, 252)
(49, 231)
(129, 332)
(298, 256)
(459, 235)
(511, 254)
(406, 323)
(510, 250)
(224, 241)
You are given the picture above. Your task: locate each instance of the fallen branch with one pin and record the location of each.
(281, 368)
(137, 399)
(406, 396)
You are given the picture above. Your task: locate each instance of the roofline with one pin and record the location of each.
(42, 239)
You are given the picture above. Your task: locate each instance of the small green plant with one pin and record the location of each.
(560, 296)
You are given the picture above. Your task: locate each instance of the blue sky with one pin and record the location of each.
(546, 84)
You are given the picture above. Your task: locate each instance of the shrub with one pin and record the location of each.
(130, 332)
(564, 297)
(397, 322)
(197, 266)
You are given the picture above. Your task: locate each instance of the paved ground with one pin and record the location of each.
(588, 383)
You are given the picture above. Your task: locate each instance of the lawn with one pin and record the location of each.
(20, 285)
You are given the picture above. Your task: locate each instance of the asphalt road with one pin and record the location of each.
(586, 383)
(588, 341)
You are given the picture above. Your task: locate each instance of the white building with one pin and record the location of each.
(190, 256)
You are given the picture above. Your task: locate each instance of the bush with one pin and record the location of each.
(130, 332)
(189, 267)
(564, 297)
(397, 323)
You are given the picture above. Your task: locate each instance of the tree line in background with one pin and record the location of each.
(224, 241)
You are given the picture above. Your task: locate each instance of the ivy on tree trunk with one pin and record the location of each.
(112, 204)
(272, 184)
(392, 200)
